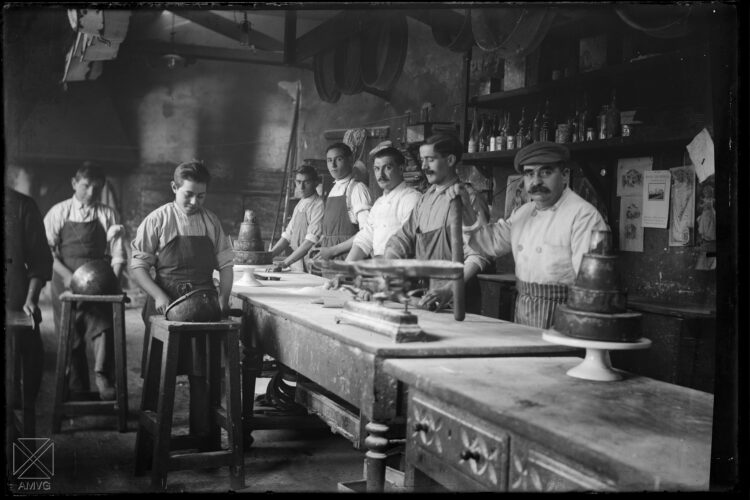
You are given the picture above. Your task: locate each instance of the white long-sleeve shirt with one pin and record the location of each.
(360, 200)
(388, 214)
(74, 211)
(308, 209)
(547, 245)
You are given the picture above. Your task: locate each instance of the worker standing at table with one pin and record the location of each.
(305, 225)
(81, 230)
(347, 206)
(426, 234)
(184, 242)
(28, 266)
(548, 235)
(391, 210)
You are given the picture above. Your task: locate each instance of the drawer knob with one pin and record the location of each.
(470, 455)
(421, 427)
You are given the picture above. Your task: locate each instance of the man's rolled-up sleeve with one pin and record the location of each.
(315, 222)
(145, 244)
(490, 240)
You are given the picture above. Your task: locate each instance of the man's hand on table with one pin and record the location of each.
(277, 267)
(436, 299)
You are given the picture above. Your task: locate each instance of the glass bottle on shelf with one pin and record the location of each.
(536, 126)
(544, 132)
(482, 141)
(493, 134)
(613, 118)
(473, 134)
(602, 122)
(521, 133)
(509, 133)
(584, 119)
(573, 121)
(502, 137)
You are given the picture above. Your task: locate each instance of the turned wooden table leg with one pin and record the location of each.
(377, 444)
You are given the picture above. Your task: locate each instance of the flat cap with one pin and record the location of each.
(540, 153)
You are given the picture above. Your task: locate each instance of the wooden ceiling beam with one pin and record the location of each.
(211, 53)
(230, 29)
(328, 34)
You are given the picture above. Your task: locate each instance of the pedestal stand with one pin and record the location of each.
(248, 274)
(596, 365)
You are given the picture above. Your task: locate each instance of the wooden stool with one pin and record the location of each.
(120, 405)
(17, 324)
(154, 440)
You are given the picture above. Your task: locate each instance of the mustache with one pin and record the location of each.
(538, 189)
(384, 179)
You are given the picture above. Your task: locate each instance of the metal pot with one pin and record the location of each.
(95, 278)
(198, 306)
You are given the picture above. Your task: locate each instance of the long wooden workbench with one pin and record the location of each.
(347, 361)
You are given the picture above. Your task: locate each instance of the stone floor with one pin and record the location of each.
(90, 456)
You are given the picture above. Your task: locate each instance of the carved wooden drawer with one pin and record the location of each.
(534, 468)
(462, 451)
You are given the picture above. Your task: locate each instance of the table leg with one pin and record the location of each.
(377, 444)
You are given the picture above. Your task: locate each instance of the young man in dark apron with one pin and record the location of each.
(347, 206)
(426, 235)
(184, 243)
(80, 230)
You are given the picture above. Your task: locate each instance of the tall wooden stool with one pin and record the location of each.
(17, 324)
(154, 440)
(65, 407)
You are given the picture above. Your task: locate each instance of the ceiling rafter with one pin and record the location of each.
(230, 29)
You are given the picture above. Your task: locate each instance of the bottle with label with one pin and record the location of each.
(536, 126)
(521, 133)
(544, 132)
(482, 142)
(473, 134)
(574, 123)
(493, 136)
(510, 135)
(502, 134)
(613, 118)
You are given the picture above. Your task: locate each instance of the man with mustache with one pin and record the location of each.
(346, 208)
(391, 210)
(548, 235)
(425, 235)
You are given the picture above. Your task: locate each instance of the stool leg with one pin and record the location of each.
(164, 411)
(144, 444)
(213, 375)
(121, 377)
(10, 395)
(29, 410)
(63, 358)
(234, 411)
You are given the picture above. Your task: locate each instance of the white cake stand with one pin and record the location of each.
(248, 274)
(596, 365)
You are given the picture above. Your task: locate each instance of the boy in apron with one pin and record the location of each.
(80, 230)
(347, 206)
(305, 225)
(426, 234)
(183, 242)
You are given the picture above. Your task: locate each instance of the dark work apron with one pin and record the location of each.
(185, 264)
(537, 302)
(337, 227)
(436, 245)
(82, 242)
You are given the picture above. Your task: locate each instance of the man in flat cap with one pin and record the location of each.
(548, 235)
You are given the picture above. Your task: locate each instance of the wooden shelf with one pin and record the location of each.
(497, 99)
(615, 145)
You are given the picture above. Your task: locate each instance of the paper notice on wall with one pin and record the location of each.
(631, 227)
(630, 175)
(701, 152)
(656, 186)
(682, 207)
